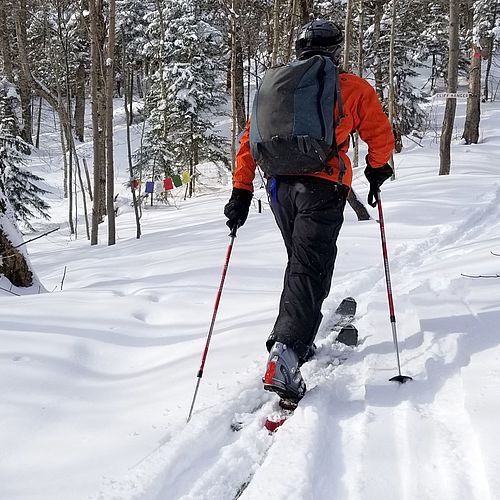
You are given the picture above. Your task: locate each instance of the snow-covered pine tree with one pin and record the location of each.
(131, 23)
(185, 85)
(411, 52)
(19, 184)
(434, 37)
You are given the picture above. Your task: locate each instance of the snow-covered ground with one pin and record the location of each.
(96, 380)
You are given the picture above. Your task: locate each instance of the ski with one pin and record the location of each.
(347, 335)
(339, 322)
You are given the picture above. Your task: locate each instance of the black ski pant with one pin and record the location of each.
(309, 212)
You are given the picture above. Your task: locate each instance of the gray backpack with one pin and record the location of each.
(292, 128)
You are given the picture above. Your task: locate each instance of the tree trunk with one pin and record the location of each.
(13, 264)
(87, 176)
(81, 76)
(490, 46)
(98, 100)
(486, 93)
(292, 22)
(276, 32)
(39, 123)
(84, 199)
(66, 123)
(80, 102)
(234, 123)
(131, 96)
(240, 89)
(306, 10)
(361, 24)
(377, 20)
(348, 36)
(23, 80)
(128, 79)
(110, 171)
(473, 115)
(451, 103)
(392, 88)
(5, 41)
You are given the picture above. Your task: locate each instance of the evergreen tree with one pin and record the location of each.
(20, 185)
(434, 37)
(411, 53)
(185, 86)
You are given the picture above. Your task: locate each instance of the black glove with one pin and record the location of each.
(376, 177)
(236, 209)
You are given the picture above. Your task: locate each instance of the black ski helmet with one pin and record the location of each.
(319, 37)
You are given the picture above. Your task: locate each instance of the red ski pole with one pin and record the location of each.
(216, 307)
(398, 378)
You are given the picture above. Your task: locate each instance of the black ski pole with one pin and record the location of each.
(398, 378)
(232, 235)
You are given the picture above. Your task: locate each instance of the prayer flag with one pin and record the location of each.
(186, 178)
(167, 184)
(150, 186)
(176, 179)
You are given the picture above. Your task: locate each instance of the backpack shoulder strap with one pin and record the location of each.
(337, 103)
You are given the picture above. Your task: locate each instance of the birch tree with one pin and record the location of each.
(452, 84)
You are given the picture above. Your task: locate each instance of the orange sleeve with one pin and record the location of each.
(374, 128)
(245, 164)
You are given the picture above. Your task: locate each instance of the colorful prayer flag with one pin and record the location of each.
(150, 186)
(158, 186)
(186, 178)
(167, 184)
(176, 179)
(136, 184)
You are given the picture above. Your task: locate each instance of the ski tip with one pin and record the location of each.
(273, 425)
(347, 307)
(348, 335)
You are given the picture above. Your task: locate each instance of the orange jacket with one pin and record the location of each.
(362, 112)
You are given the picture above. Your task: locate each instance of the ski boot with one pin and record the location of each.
(283, 376)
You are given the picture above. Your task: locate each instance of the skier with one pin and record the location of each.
(308, 207)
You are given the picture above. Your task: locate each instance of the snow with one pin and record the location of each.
(97, 378)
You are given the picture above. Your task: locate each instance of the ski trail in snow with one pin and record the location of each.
(164, 475)
(300, 432)
(432, 441)
(168, 472)
(479, 221)
(246, 456)
(426, 444)
(437, 452)
(338, 436)
(240, 456)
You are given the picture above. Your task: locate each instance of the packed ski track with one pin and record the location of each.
(354, 435)
(98, 377)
